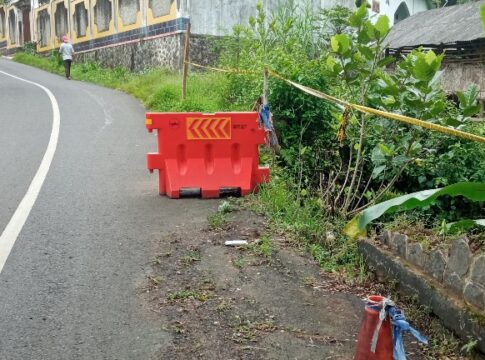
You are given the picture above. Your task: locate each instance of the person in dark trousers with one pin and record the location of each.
(67, 51)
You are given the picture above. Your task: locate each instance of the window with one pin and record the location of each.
(376, 6)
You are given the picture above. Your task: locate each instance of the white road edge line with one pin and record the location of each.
(16, 223)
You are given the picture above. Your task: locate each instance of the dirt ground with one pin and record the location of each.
(268, 300)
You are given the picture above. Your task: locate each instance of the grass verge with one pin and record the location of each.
(302, 220)
(158, 89)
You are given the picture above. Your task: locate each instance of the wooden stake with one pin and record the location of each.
(186, 62)
(266, 87)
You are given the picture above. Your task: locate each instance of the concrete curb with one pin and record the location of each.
(455, 314)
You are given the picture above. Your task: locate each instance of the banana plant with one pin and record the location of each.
(464, 225)
(473, 191)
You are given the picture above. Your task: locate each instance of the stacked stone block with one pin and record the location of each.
(456, 269)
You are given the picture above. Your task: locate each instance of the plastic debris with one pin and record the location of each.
(236, 242)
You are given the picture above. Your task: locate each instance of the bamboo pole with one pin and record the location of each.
(186, 62)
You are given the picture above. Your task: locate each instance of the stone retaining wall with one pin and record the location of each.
(205, 49)
(137, 56)
(456, 269)
(166, 51)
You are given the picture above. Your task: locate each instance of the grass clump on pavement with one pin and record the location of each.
(187, 294)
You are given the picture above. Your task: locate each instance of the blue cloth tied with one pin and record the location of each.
(267, 123)
(400, 325)
(265, 117)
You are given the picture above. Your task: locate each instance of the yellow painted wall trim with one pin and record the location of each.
(49, 45)
(151, 20)
(99, 34)
(57, 41)
(74, 38)
(136, 25)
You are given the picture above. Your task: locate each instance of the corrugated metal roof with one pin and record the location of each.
(439, 26)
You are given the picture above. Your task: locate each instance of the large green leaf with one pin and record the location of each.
(382, 25)
(356, 227)
(430, 57)
(468, 101)
(340, 43)
(359, 16)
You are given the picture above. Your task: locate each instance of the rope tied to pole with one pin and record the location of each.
(387, 307)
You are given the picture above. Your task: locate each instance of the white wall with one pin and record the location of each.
(217, 17)
(327, 4)
(389, 7)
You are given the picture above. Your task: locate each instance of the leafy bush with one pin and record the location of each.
(287, 42)
(448, 160)
(377, 158)
(29, 47)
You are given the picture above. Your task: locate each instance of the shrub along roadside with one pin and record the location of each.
(376, 159)
(303, 222)
(158, 89)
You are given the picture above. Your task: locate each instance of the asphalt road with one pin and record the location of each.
(70, 288)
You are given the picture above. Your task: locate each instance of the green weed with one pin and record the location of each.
(217, 221)
(247, 331)
(264, 247)
(190, 257)
(177, 327)
(240, 262)
(310, 281)
(469, 346)
(187, 294)
(224, 306)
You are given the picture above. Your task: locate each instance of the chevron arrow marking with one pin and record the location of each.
(203, 128)
(208, 128)
(212, 131)
(192, 132)
(226, 128)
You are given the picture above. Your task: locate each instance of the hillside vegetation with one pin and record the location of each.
(334, 161)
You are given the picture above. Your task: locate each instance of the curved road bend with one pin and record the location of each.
(70, 286)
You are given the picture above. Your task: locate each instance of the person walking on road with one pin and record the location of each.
(67, 51)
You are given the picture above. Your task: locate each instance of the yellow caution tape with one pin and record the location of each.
(229, 71)
(361, 108)
(385, 114)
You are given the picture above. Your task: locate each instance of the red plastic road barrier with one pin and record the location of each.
(384, 348)
(207, 153)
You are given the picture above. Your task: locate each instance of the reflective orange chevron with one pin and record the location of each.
(208, 128)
